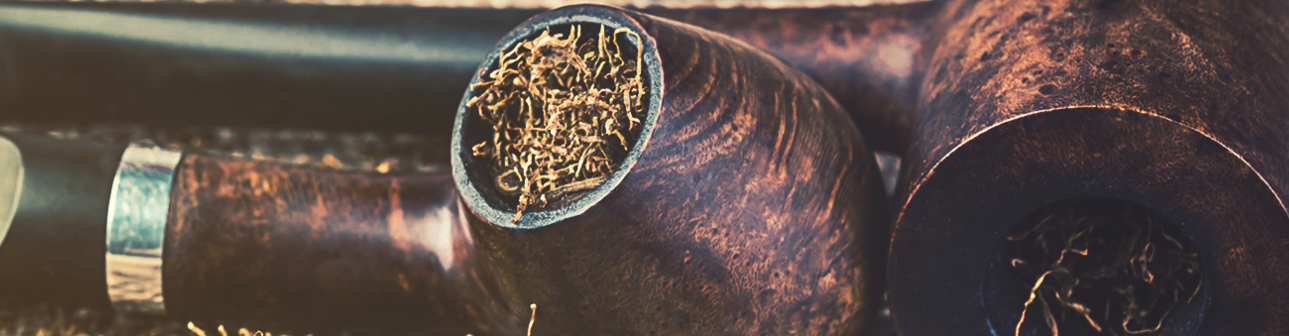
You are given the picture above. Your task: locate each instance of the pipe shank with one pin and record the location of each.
(261, 243)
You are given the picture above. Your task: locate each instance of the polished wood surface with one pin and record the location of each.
(754, 208)
(283, 248)
(125, 70)
(863, 57)
(1174, 105)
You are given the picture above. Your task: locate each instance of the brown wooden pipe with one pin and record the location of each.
(863, 57)
(1177, 106)
(285, 248)
(131, 69)
(749, 205)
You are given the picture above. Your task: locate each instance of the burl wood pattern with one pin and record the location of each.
(754, 209)
(306, 250)
(1188, 119)
(863, 57)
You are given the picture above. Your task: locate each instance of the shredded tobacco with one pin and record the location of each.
(565, 107)
(1119, 271)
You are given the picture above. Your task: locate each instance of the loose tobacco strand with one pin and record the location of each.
(1138, 270)
(564, 108)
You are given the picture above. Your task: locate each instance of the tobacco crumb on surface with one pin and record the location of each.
(1101, 267)
(564, 106)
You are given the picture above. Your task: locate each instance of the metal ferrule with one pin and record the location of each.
(136, 227)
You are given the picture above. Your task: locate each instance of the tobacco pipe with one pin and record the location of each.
(1175, 107)
(300, 66)
(747, 203)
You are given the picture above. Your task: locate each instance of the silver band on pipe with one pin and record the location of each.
(136, 227)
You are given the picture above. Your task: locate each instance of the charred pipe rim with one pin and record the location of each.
(493, 210)
(1212, 195)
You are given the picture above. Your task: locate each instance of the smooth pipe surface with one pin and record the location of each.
(754, 206)
(389, 69)
(283, 248)
(863, 57)
(53, 250)
(1177, 106)
(268, 66)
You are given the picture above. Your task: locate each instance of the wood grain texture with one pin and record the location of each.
(1175, 105)
(755, 208)
(863, 57)
(300, 249)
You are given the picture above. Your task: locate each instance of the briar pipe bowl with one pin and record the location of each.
(749, 204)
(751, 212)
(1174, 107)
